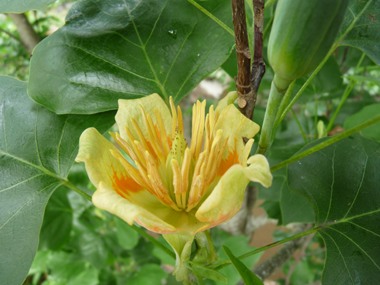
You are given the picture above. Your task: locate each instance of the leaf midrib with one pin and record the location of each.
(41, 168)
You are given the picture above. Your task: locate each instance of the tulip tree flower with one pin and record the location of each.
(167, 185)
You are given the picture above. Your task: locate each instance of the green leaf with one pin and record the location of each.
(304, 273)
(126, 236)
(365, 33)
(361, 78)
(283, 204)
(21, 6)
(151, 274)
(327, 82)
(344, 191)
(239, 245)
(368, 112)
(247, 275)
(294, 207)
(110, 50)
(207, 272)
(37, 149)
(67, 269)
(58, 219)
(87, 242)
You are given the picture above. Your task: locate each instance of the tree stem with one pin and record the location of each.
(274, 101)
(346, 93)
(243, 80)
(221, 265)
(258, 64)
(29, 38)
(326, 143)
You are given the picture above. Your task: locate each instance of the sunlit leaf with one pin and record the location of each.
(110, 50)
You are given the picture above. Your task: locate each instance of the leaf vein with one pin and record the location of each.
(357, 245)
(179, 51)
(21, 182)
(38, 193)
(59, 145)
(111, 63)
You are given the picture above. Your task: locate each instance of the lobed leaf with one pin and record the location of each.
(110, 50)
(37, 149)
(345, 192)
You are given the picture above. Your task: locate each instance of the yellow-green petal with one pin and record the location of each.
(236, 126)
(107, 199)
(131, 109)
(94, 150)
(226, 198)
(259, 170)
(228, 100)
(104, 169)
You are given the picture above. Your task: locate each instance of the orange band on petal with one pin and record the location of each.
(124, 185)
(233, 158)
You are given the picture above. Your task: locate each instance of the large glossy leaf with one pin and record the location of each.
(127, 49)
(37, 149)
(365, 33)
(345, 192)
(21, 6)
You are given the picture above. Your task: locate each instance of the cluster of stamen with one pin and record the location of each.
(178, 175)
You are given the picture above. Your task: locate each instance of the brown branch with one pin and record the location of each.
(29, 38)
(243, 80)
(298, 258)
(271, 265)
(247, 82)
(258, 65)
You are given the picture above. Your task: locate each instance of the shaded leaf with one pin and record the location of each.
(126, 236)
(365, 33)
(207, 272)
(345, 192)
(283, 204)
(368, 112)
(151, 274)
(57, 223)
(327, 82)
(21, 6)
(67, 269)
(110, 50)
(37, 149)
(247, 275)
(238, 245)
(361, 78)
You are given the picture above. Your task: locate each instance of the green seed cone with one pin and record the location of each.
(303, 31)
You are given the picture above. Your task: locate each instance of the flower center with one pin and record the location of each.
(178, 175)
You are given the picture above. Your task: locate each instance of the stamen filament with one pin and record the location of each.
(161, 127)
